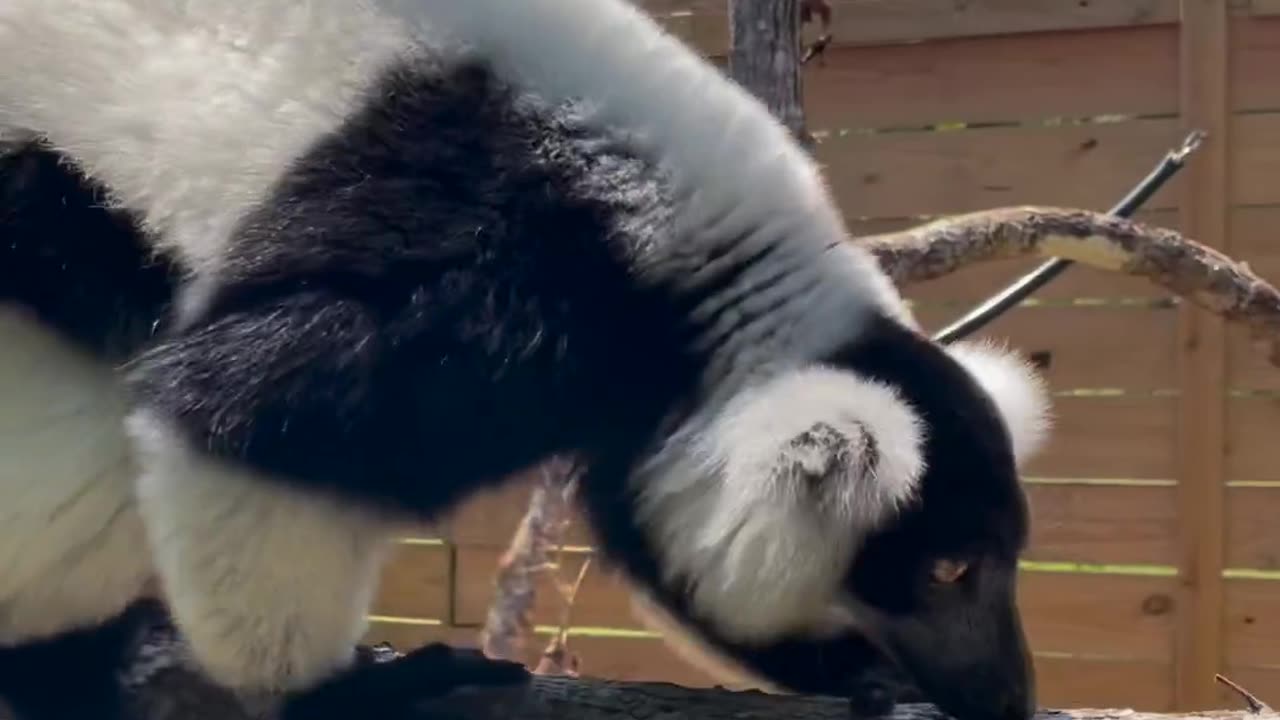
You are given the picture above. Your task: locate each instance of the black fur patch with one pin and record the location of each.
(439, 293)
(81, 268)
(75, 675)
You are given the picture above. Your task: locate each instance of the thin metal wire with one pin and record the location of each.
(1021, 288)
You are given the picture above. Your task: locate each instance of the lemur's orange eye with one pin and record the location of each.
(948, 571)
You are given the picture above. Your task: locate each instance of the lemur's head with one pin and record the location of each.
(875, 493)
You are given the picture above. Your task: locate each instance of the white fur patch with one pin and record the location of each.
(72, 550)
(763, 505)
(188, 111)
(270, 585)
(739, 173)
(1018, 390)
(688, 646)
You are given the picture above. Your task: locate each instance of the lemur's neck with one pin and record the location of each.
(757, 310)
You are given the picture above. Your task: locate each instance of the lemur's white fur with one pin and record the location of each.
(188, 111)
(72, 551)
(740, 173)
(271, 585)
(730, 506)
(686, 645)
(1018, 390)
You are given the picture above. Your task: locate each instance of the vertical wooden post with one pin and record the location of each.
(1202, 363)
(764, 56)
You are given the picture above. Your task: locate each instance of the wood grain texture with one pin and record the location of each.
(1024, 78)
(1205, 39)
(1110, 437)
(874, 22)
(1103, 524)
(1062, 71)
(415, 582)
(1252, 623)
(1088, 347)
(1029, 78)
(1253, 531)
(905, 174)
(934, 173)
(1251, 451)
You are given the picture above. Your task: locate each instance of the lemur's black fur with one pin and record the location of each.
(80, 266)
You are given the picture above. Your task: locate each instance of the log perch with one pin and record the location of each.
(557, 698)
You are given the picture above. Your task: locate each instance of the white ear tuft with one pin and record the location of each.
(853, 442)
(1018, 390)
(759, 508)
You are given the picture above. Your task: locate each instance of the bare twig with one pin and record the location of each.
(508, 621)
(1255, 705)
(557, 659)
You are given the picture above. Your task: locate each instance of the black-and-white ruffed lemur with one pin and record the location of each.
(369, 257)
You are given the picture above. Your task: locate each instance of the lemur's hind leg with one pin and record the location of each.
(268, 579)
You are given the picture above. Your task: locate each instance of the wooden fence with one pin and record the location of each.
(1156, 552)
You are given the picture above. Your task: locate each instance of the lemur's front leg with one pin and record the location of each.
(254, 432)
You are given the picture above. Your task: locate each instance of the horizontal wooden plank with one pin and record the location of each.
(1252, 619)
(1103, 524)
(415, 583)
(874, 22)
(1028, 77)
(1109, 437)
(1065, 68)
(1255, 50)
(1024, 78)
(1253, 528)
(1249, 365)
(1122, 347)
(1094, 615)
(1255, 239)
(903, 174)
(1073, 682)
(1256, 165)
(1252, 454)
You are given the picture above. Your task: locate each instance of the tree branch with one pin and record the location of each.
(1187, 268)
